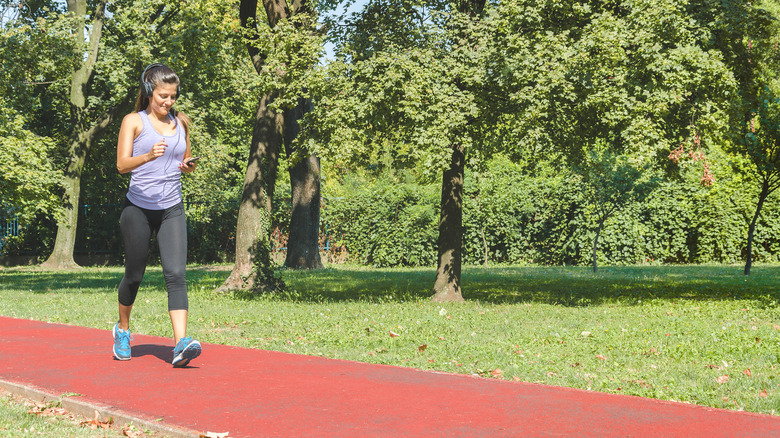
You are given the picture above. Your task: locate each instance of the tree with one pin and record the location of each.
(279, 52)
(303, 247)
(86, 127)
(749, 44)
(447, 84)
(611, 183)
(762, 147)
(402, 93)
(29, 176)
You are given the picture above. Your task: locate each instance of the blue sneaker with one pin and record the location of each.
(186, 350)
(122, 340)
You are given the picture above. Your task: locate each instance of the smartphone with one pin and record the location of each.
(192, 160)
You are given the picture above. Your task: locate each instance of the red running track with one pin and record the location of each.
(257, 393)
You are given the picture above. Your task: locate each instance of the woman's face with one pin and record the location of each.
(163, 98)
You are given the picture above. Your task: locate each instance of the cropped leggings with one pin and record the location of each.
(137, 225)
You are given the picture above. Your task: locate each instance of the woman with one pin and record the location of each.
(154, 145)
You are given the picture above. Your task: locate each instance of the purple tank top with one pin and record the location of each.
(156, 185)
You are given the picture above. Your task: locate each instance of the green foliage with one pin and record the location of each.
(389, 222)
(515, 214)
(28, 178)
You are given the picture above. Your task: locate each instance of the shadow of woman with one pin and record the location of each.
(161, 352)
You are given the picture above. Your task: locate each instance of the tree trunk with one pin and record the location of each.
(596, 244)
(303, 246)
(254, 212)
(752, 228)
(62, 254)
(446, 288)
(82, 135)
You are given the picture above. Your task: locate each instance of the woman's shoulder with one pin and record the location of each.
(132, 123)
(133, 119)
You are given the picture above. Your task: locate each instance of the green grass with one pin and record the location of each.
(664, 332)
(21, 417)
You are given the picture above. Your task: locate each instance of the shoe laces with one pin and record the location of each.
(124, 338)
(183, 343)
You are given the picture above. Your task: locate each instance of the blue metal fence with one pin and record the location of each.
(9, 227)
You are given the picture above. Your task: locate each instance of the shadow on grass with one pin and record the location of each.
(90, 280)
(567, 286)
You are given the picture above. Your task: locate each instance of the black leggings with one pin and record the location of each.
(137, 225)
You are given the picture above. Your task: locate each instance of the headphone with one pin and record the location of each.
(147, 87)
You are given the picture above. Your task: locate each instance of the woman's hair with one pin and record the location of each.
(158, 75)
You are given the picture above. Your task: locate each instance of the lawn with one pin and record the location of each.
(706, 335)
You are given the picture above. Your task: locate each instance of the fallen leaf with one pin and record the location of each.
(599, 356)
(642, 383)
(497, 373)
(517, 379)
(132, 433)
(98, 423)
(722, 379)
(586, 334)
(747, 372)
(216, 435)
(393, 334)
(763, 394)
(422, 347)
(712, 366)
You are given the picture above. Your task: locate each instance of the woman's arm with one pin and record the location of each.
(188, 152)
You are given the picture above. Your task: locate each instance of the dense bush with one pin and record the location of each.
(515, 216)
(512, 214)
(386, 223)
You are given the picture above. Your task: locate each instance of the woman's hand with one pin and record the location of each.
(157, 150)
(188, 167)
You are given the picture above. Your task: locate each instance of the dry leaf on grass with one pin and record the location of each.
(132, 433)
(98, 423)
(747, 372)
(722, 379)
(393, 334)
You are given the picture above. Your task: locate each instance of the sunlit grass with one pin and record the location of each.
(671, 333)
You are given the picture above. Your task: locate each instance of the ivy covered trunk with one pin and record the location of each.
(752, 229)
(254, 212)
(62, 255)
(595, 257)
(446, 288)
(303, 246)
